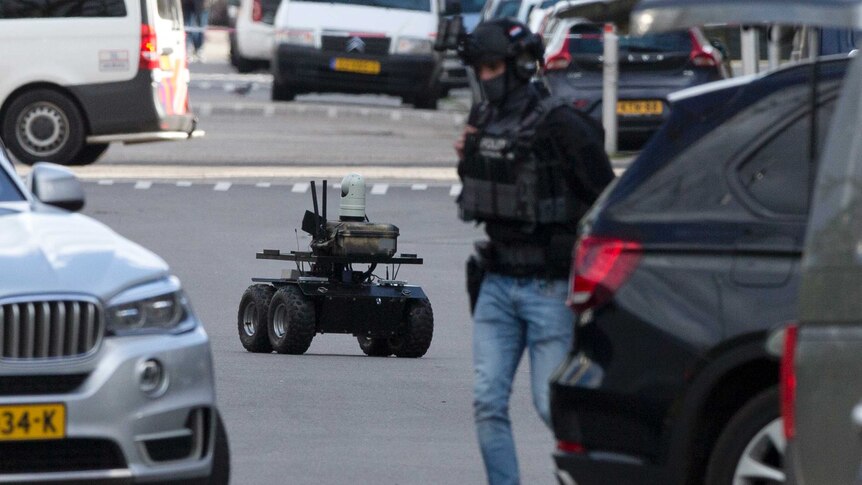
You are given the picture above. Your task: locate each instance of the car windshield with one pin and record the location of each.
(420, 5)
(8, 190)
(587, 39)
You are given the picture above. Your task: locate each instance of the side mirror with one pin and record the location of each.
(56, 185)
(450, 7)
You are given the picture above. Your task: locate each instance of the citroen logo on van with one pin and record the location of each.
(355, 44)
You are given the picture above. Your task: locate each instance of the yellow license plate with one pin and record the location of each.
(32, 422)
(640, 108)
(360, 66)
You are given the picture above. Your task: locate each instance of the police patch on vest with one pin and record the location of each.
(492, 147)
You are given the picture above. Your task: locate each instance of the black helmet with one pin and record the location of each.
(503, 39)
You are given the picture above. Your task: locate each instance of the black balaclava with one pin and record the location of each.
(497, 89)
(493, 41)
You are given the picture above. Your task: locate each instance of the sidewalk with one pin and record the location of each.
(216, 48)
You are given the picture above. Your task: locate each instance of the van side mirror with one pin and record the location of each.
(450, 7)
(56, 185)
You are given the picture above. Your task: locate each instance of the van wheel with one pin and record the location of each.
(751, 448)
(244, 65)
(426, 99)
(282, 91)
(44, 125)
(89, 154)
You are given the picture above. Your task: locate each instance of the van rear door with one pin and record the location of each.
(166, 20)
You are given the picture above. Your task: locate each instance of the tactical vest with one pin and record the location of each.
(511, 173)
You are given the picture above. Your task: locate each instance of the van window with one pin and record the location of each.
(472, 6)
(420, 5)
(17, 9)
(169, 10)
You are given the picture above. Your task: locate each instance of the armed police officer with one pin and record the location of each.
(530, 167)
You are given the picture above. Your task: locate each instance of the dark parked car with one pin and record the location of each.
(650, 68)
(682, 268)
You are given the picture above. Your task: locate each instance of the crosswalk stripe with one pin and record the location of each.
(142, 185)
(300, 188)
(419, 187)
(263, 185)
(106, 182)
(455, 191)
(222, 186)
(184, 183)
(379, 189)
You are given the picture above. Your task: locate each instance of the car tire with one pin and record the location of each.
(426, 99)
(374, 347)
(253, 318)
(244, 65)
(417, 331)
(753, 433)
(292, 322)
(43, 125)
(282, 91)
(220, 474)
(89, 154)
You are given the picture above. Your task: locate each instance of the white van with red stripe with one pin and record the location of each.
(78, 75)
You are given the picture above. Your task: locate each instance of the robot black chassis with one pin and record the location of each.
(324, 294)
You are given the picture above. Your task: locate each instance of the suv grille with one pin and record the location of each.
(49, 329)
(368, 45)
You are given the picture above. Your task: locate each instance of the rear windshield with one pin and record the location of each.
(419, 5)
(587, 39)
(507, 9)
(17, 9)
(472, 6)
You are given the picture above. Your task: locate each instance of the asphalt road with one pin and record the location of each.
(332, 415)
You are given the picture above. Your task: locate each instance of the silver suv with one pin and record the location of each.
(105, 371)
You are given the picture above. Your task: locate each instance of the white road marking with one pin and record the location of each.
(263, 185)
(332, 113)
(222, 186)
(455, 191)
(269, 110)
(419, 187)
(300, 188)
(106, 182)
(204, 109)
(396, 116)
(184, 183)
(379, 189)
(141, 185)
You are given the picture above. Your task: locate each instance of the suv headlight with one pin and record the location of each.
(295, 37)
(158, 307)
(413, 45)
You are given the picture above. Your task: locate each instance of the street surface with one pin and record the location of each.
(332, 415)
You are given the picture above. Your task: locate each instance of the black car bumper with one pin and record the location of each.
(592, 469)
(307, 69)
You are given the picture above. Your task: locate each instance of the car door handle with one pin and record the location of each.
(167, 51)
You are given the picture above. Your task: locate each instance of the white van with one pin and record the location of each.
(77, 75)
(357, 46)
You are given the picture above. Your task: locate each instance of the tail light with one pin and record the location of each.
(569, 447)
(149, 55)
(561, 59)
(703, 54)
(600, 266)
(256, 11)
(788, 381)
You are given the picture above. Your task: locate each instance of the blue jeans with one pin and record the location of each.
(197, 20)
(513, 314)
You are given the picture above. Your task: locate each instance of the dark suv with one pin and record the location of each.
(682, 268)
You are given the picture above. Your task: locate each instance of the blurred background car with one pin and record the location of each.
(106, 372)
(683, 267)
(454, 74)
(252, 40)
(358, 46)
(650, 68)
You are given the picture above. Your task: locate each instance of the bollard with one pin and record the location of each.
(610, 81)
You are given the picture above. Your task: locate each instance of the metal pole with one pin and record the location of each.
(774, 47)
(749, 43)
(610, 78)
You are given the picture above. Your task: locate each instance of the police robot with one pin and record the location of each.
(334, 289)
